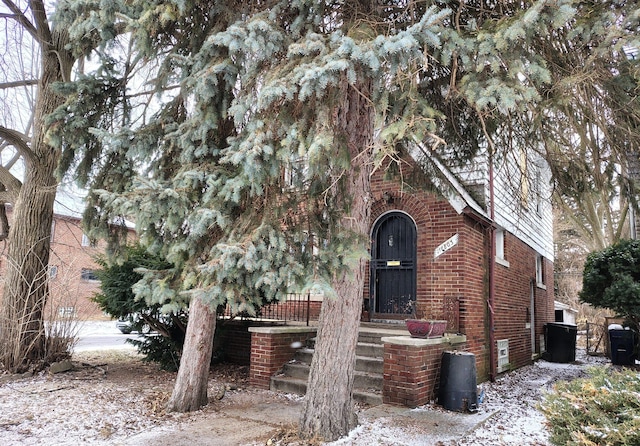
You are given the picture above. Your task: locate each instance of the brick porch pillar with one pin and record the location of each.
(272, 348)
(412, 368)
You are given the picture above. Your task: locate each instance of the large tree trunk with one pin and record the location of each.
(190, 389)
(25, 291)
(328, 410)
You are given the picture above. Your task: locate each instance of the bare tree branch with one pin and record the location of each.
(11, 185)
(21, 83)
(5, 197)
(19, 141)
(42, 23)
(21, 18)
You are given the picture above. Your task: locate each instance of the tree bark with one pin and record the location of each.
(26, 290)
(190, 389)
(328, 410)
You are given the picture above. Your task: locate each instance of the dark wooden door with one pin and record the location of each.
(393, 265)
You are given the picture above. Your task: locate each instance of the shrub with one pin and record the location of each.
(165, 335)
(603, 409)
(611, 279)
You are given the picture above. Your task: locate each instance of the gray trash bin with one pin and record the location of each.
(458, 388)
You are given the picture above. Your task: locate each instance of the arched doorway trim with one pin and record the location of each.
(392, 287)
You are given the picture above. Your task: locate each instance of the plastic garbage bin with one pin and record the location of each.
(622, 344)
(458, 387)
(560, 340)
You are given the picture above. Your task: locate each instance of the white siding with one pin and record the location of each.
(530, 220)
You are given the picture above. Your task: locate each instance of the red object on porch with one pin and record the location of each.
(421, 328)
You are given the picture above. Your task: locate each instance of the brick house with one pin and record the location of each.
(431, 256)
(471, 245)
(71, 263)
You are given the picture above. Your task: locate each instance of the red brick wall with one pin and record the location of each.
(234, 339)
(412, 373)
(69, 257)
(272, 348)
(513, 300)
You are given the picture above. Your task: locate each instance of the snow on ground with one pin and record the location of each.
(513, 396)
(508, 405)
(112, 396)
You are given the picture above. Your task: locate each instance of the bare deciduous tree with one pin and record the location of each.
(38, 58)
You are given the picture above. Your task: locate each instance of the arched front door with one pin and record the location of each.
(393, 265)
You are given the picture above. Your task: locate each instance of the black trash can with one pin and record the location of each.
(622, 344)
(560, 341)
(458, 388)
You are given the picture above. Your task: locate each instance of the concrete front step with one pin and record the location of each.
(368, 357)
(368, 379)
(298, 386)
(364, 349)
(364, 363)
(373, 335)
(362, 380)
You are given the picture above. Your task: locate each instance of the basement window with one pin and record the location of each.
(67, 311)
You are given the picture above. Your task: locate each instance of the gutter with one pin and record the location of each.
(492, 279)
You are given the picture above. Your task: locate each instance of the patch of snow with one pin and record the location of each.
(110, 405)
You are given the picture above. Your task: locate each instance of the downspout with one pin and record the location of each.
(492, 262)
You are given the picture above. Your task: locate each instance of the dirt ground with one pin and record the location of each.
(112, 398)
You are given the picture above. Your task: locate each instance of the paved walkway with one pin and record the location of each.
(255, 424)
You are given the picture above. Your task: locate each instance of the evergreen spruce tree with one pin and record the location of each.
(252, 175)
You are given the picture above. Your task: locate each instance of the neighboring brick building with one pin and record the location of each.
(71, 263)
(431, 256)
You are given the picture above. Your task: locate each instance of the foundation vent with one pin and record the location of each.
(503, 355)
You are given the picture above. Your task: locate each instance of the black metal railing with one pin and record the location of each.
(296, 308)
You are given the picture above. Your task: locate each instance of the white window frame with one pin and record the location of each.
(70, 312)
(499, 241)
(88, 275)
(540, 272)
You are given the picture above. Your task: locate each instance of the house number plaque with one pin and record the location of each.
(446, 246)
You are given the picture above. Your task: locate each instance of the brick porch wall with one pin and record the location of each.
(271, 348)
(412, 368)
